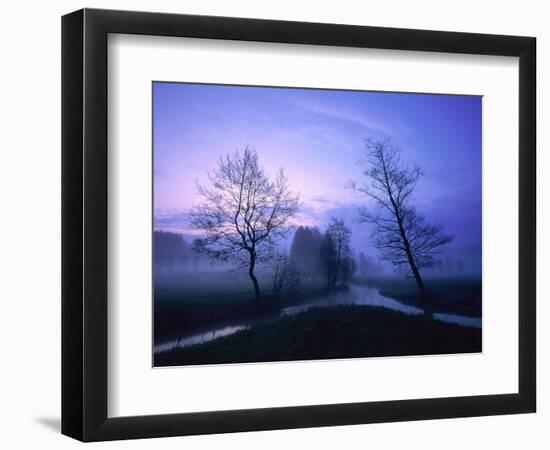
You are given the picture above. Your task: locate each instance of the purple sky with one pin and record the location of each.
(318, 136)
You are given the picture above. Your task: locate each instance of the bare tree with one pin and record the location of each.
(336, 258)
(243, 212)
(327, 258)
(286, 277)
(400, 232)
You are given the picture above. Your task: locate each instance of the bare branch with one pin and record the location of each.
(243, 211)
(400, 233)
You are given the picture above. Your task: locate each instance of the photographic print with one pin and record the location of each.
(297, 224)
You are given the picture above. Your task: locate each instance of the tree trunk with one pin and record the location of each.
(337, 265)
(416, 273)
(257, 292)
(426, 297)
(410, 258)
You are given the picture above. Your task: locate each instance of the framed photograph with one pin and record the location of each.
(273, 224)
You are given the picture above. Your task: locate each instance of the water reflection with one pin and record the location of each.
(460, 320)
(199, 338)
(355, 295)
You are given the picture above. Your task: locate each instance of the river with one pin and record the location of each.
(356, 295)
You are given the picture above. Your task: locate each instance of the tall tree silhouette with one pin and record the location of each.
(335, 256)
(400, 232)
(243, 212)
(304, 250)
(286, 277)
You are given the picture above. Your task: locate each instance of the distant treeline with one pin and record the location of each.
(171, 251)
(326, 257)
(311, 253)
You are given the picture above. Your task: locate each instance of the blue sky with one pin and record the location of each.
(318, 136)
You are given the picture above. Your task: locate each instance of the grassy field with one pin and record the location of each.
(204, 287)
(190, 303)
(325, 333)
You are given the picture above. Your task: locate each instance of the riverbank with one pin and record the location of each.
(450, 295)
(331, 332)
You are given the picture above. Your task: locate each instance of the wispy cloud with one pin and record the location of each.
(350, 115)
(170, 218)
(320, 200)
(317, 211)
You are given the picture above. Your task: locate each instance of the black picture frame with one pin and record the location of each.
(84, 224)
